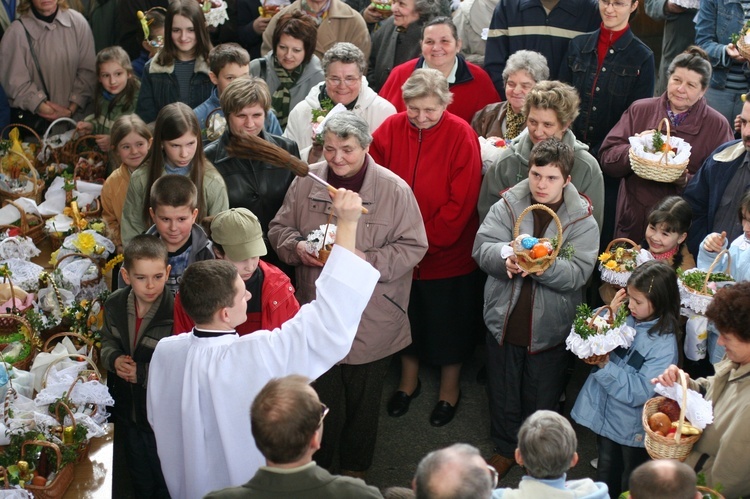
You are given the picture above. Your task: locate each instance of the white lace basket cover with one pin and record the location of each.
(20, 247)
(699, 411)
(599, 344)
(621, 278)
(217, 15)
(25, 273)
(696, 301)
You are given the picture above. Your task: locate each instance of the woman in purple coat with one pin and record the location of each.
(691, 119)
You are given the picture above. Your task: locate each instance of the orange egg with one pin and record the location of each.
(39, 481)
(539, 250)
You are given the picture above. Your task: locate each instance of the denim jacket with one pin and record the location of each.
(714, 25)
(627, 75)
(159, 87)
(611, 401)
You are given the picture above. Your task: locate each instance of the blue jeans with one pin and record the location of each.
(727, 103)
(715, 351)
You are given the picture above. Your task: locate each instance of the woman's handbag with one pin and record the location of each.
(22, 116)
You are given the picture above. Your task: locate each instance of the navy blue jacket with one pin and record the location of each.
(626, 75)
(524, 24)
(705, 190)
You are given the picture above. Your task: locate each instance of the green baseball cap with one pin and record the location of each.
(238, 232)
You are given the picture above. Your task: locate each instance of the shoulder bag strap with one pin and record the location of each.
(33, 56)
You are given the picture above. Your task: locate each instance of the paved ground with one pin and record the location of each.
(402, 442)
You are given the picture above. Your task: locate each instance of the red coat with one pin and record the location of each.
(279, 303)
(443, 166)
(472, 90)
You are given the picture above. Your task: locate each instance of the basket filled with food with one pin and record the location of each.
(383, 7)
(659, 157)
(619, 260)
(320, 241)
(536, 254)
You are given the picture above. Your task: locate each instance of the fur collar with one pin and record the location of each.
(201, 66)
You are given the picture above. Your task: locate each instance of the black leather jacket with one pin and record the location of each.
(259, 187)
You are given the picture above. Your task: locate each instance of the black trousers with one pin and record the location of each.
(519, 384)
(143, 461)
(352, 393)
(616, 463)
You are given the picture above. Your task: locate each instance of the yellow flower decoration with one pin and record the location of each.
(53, 257)
(85, 243)
(97, 226)
(604, 257)
(68, 212)
(612, 265)
(111, 264)
(84, 303)
(619, 252)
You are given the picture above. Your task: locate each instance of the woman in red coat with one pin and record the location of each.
(471, 87)
(437, 154)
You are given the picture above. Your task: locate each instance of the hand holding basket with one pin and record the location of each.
(664, 169)
(525, 259)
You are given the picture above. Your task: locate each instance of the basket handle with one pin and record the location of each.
(597, 313)
(330, 216)
(713, 264)
(21, 125)
(683, 406)
(43, 443)
(67, 409)
(517, 225)
(32, 170)
(46, 346)
(19, 318)
(76, 357)
(81, 255)
(4, 475)
(52, 125)
(622, 240)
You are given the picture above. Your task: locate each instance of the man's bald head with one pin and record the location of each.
(456, 472)
(663, 479)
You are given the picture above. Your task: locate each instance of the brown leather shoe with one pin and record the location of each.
(502, 464)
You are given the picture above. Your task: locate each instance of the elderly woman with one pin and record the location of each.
(344, 66)
(471, 87)
(397, 39)
(550, 109)
(437, 153)
(500, 122)
(292, 69)
(392, 238)
(690, 119)
(259, 187)
(718, 453)
(54, 76)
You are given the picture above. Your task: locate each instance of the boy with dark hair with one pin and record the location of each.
(136, 317)
(173, 209)
(202, 383)
(227, 62)
(529, 315)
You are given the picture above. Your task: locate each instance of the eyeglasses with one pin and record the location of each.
(494, 474)
(323, 413)
(349, 81)
(616, 5)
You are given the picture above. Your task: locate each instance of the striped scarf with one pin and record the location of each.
(281, 98)
(319, 15)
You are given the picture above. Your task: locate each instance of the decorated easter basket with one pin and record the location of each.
(697, 297)
(618, 261)
(55, 488)
(383, 7)
(599, 331)
(30, 175)
(527, 262)
(661, 170)
(670, 447)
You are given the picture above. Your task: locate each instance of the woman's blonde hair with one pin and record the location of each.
(557, 96)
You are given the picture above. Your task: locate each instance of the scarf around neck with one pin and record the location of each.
(514, 123)
(282, 98)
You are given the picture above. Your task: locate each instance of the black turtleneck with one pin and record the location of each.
(46, 19)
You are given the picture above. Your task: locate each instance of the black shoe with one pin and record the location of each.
(443, 412)
(398, 405)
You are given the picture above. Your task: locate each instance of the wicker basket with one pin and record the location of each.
(532, 265)
(386, 13)
(31, 225)
(91, 349)
(31, 133)
(37, 190)
(25, 363)
(616, 277)
(325, 249)
(94, 172)
(661, 170)
(78, 358)
(699, 300)
(742, 46)
(659, 446)
(82, 448)
(56, 488)
(711, 492)
(8, 323)
(98, 262)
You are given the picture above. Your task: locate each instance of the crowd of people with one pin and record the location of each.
(304, 198)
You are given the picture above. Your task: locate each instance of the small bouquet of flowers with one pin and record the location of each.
(320, 241)
(319, 117)
(618, 261)
(595, 334)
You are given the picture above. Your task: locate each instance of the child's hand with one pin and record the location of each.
(84, 128)
(597, 360)
(103, 142)
(618, 300)
(715, 242)
(670, 376)
(126, 368)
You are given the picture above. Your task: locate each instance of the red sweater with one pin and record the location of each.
(443, 167)
(472, 90)
(279, 303)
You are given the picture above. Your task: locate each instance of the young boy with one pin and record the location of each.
(136, 317)
(237, 237)
(529, 315)
(174, 208)
(202, 383)
(226, 63)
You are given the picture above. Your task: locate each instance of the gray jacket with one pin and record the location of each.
(559, 290)
(311, 76)
(512, 166)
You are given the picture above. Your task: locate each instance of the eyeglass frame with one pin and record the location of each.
(348, 82)
(495, 476)
(324, 410)
(615, 5)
